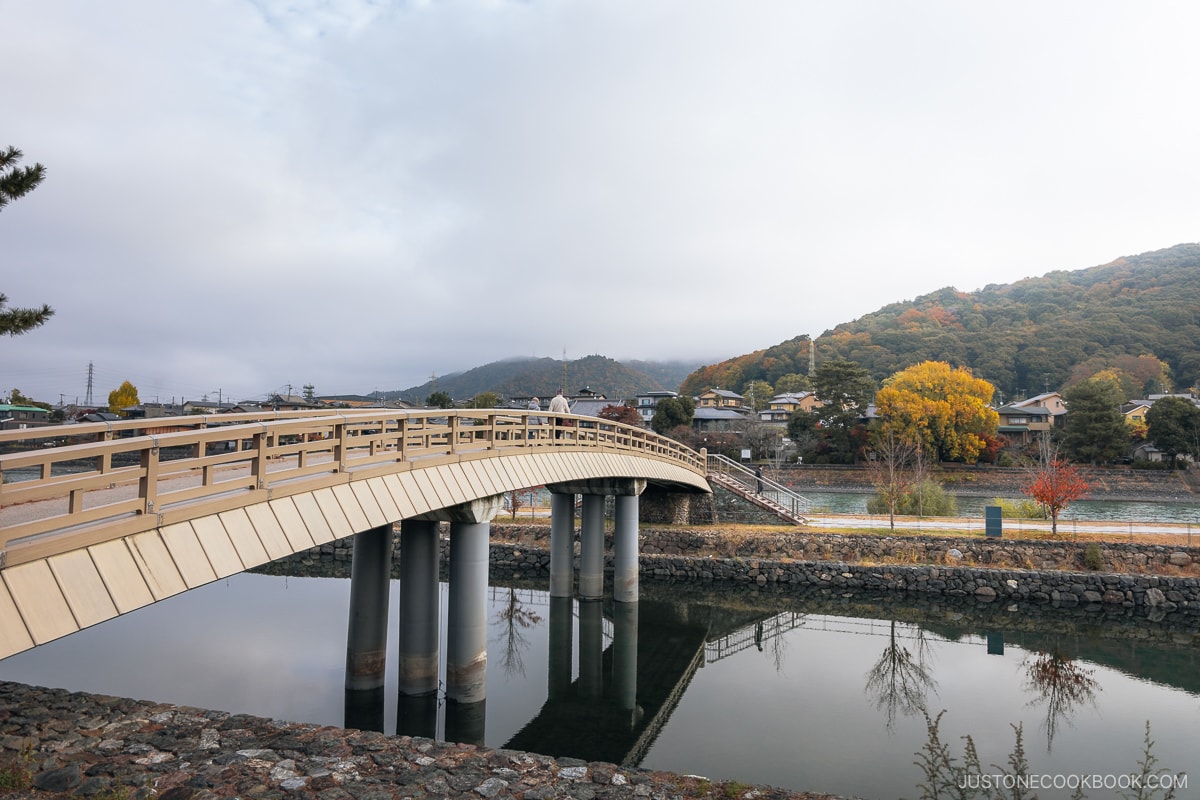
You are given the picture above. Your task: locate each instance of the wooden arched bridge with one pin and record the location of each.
(100, 519)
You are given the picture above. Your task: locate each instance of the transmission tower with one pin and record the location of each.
(91, 374)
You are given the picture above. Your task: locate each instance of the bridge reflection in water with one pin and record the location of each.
(615, 672)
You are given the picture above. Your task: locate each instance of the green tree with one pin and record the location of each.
(759, 394)
(17, 399)
(123, 397)
(1095, 431)
(484, 400)
(672, 412)
(1173, 424)
(17, 182)
(439, 400)
(792, 383)
(844, 389)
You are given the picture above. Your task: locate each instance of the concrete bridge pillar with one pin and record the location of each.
(591, 537)
(466, 627)
(591, 548)
(625, 549)
(466, 611)
(562, 544)
(366, 640)
(419, 607)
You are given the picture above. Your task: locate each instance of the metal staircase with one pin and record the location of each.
(761, 491)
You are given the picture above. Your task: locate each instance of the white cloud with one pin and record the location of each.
(359, 194)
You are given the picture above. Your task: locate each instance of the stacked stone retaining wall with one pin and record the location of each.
(987, 570)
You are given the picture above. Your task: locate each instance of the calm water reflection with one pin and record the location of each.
(811, 694)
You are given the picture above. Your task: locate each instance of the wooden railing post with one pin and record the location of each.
(258, 467)
(339, 444)
(148, 482)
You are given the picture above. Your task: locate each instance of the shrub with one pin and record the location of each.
(1026, 508)
(927, 500)
(1093, 559)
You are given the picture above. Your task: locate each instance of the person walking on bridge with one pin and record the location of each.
(559, 405)
(534, 406)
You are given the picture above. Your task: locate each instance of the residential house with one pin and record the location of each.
(17, 417)
(709, 419)
(291, 402)
(719, 398)
(1021, 425)
(154, 411)
(1051, 401)
(1135, 412)
(782, 406)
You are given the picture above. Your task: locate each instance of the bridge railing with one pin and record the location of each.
(783, 496)
(73, 486)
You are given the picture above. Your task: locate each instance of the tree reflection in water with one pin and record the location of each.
(1061, 683)
(901, 678)
(515, 619)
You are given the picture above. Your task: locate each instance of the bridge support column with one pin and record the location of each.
(561, 648)
(625, 549)
(419, 607)
(591, 649)
(366, 641)
(466, 629)
(591, 549)
(562, 544)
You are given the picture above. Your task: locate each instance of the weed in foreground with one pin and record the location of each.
(17, 775)
(950, 777)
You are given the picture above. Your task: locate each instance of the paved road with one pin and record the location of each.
(1011, 526)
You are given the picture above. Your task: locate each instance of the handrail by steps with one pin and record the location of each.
(761, 489)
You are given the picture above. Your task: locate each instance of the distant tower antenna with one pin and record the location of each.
(91, 374)
(812, 356)
(564, 370)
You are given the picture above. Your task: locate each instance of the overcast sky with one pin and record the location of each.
(243, 196)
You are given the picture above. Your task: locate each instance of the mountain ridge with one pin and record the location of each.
(1137, 314)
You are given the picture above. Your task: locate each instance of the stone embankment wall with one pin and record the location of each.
(1037, 571)
(1145, 579)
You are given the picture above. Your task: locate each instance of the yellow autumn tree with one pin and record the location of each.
(945, 409)
(123, 397)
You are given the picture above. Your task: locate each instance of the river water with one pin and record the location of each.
(972, 506)
(818, 693)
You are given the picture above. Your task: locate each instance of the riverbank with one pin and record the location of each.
(121, 749)
(59, 744)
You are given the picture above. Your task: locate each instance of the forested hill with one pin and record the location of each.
(1139, 314)
(544, 376)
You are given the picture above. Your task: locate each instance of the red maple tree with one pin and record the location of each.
(1055, 484)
